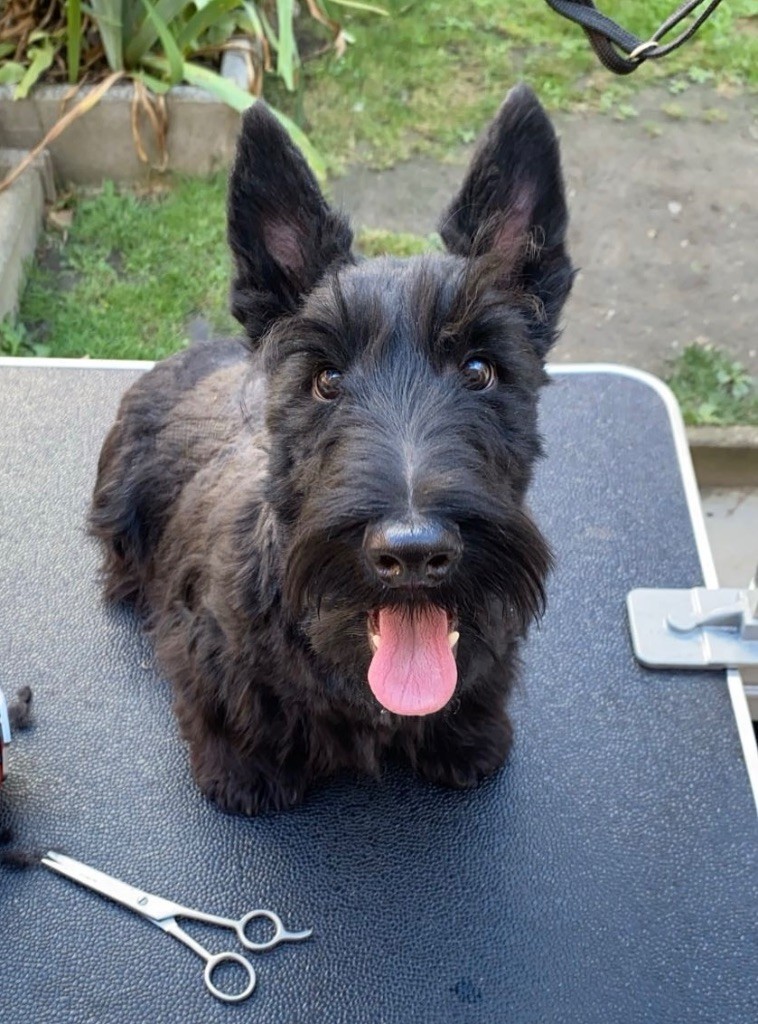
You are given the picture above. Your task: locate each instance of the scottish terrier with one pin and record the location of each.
(326, 527)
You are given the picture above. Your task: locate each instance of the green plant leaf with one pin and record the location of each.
(268, 30)
(240, 100)
(11, 72)
(107, 15)
(147, 34)
(256, 25)
(201, 20)
(171, 50)
(41, 57)
(286, 57)
(156, 85)
(371, 8)
(221, 87)
(132, 16)
(6, 49)
(13, 337)
(707, 413)
(73, 38)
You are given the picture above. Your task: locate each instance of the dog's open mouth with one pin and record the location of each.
(413, 669)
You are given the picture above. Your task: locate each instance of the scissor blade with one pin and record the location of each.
(106, 885)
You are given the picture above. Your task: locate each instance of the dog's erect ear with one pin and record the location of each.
(511, 208)
(282, 233)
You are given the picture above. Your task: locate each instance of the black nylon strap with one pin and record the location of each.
(605, 35)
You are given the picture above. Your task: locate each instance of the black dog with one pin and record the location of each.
(329, 535)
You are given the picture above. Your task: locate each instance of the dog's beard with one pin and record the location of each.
(404, 642)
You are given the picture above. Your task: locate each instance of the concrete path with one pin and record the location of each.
(664, 226)
(731, 518)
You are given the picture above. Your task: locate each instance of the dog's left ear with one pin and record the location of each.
(282, 233)
(511, 209)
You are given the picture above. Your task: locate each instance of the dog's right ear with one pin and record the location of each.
(282, 233)
(511, 209)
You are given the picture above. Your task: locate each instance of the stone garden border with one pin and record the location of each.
(22, 209)
(99, 146)
(725, 456)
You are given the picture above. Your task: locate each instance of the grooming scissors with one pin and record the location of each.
(164, 913)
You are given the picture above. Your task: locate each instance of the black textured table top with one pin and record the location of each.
(608, 875)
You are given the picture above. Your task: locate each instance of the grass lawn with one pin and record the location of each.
(135, 269)
(130, 275)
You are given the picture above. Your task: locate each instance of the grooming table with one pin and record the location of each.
(608, 875)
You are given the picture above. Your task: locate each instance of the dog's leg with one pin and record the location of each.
(246, 783)
(241, 786)
(459, 749)
(248, 754)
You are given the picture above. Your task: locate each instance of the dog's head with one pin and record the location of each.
(402, 405)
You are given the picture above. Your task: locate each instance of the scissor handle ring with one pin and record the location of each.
(220, 958)
(260, 947)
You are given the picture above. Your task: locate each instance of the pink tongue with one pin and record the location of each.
(414, 671)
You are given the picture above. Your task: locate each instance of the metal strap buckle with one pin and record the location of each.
(639, 52)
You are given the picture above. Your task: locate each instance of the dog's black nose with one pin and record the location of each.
(419, 552)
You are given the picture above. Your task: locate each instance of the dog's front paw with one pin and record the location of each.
(459, 754)
(249, 796)
(240, 787)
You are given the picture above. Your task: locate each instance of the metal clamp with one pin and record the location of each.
(698, 628)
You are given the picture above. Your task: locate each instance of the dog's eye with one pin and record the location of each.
(326, 384)
(478, 374)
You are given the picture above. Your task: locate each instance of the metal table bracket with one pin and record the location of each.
(698, 628)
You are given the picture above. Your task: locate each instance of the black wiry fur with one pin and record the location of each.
(20, 709)
(232, 504)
